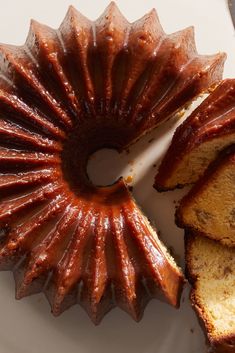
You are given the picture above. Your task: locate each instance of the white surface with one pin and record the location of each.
(27, 326)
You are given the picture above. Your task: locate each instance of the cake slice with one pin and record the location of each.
(210, 268)
(209, 207)
(198, 140)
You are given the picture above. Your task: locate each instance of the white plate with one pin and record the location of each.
(27, 326)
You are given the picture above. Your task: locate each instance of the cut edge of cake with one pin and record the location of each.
(209, 207)
(197, 141)
(208, 265)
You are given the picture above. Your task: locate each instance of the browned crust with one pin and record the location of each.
(191, 132)
(226, 156)
(224, 344)
(105, 85)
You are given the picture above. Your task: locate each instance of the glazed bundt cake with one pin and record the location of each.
(198, 140)
(63, 95)
(210, 269)
(209, 207)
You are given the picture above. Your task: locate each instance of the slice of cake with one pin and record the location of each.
(209, 207)
(210, 268)
(196, 142)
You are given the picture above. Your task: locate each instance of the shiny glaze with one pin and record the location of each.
(213, 118)
(63, 95)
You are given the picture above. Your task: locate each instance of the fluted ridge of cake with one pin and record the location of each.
(64, 94)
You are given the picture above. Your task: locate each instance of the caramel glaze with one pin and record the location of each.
(214, 118)
(63, 95)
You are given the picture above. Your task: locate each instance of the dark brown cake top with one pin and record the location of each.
(64, 94)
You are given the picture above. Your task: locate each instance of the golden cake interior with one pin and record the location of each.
(194, 163)
(209, 129)
(211, 268)
(210, 206)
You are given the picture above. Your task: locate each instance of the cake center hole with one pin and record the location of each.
(105, 167)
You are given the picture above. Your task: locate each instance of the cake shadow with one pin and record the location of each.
(117, 327)
(116, 333)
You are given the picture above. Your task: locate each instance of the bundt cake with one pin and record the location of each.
(210, 269)
(209, 207)
(198, 140)
(63, 95)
